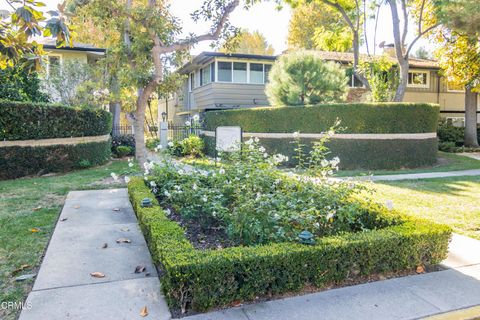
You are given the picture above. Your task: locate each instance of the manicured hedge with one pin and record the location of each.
(204, 279)
(355, 117)
(17, 162)
(28, 120)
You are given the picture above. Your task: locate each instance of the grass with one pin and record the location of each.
(451, 201)
(446, 162)
(30, 204)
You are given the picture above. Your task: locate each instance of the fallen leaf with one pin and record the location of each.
(144, 312)
(34, 230)
(105, 246)
(64, 219)
(25, 277)
(76, 206)
(22, 267)
(37, 208)
(140, 269)
(97, 275)
(116, 209)
(236, 303)
(125, 229)
(420, 269)
(123, 240)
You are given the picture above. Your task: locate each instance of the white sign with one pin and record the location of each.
(228, 139)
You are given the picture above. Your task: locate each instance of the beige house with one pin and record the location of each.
(224, 81)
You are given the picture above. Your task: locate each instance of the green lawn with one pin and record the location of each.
(29, 204)
(446, 162)
(452, 201)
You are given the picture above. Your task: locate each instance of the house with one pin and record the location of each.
(224, 81)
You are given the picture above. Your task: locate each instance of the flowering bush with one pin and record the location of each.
(253, 202)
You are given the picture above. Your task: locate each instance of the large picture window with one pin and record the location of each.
(205, 75)
(240, 72)
(225, 71)
(256, 73)
(418, 79)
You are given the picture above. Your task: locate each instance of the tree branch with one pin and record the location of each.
(405, 22)
(419, 36)
(214, 35)
(342, 12)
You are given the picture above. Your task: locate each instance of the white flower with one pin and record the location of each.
(153, 184)
(261, 149)
(265, 155)
(167, 194)
(335, 161)
(196, 117)
(221, 171)
(188, 123)
(170, 144)
(181, 172)
(256, 139)
(249, 142)
(296, 134)
(130, 164)
(145, 178)
(251, 147)
(324, 163)
(114, 176)
(389, 204)
(330, 133)
(194, 187)
(330, 215)
(127, 179)
(168, 211)
(204, 198)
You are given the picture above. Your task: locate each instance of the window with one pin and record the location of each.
(267, 69)
(452, 87)
(256, 73)
(53, 66)
(192, 81)
(240, 72)
(418, 79)
(225, 71)
(205, 75)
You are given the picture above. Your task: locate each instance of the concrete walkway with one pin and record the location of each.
(65, 288)
(411, 297)
(415, 176)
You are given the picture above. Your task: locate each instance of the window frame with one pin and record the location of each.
(454, 90)
(232, 61)
(422, 86)
(60, 61)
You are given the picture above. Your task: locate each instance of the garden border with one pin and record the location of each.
(53, 141)
(204, 279)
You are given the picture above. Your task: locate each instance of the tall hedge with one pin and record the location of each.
(36, 121)
(27, 120)
(355, 118)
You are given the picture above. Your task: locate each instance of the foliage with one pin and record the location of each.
(16, 84)
(75, 83)
(17, 161)
(248, 43)
(123, 151)
(127, 140)
(152, 143)
(422, 53)
(29, 120)
(382, 76)
(451, 138)
(27, 21)
(192, 146)
(302, 78)
(355, 118)
(461, 15)
(202, 280)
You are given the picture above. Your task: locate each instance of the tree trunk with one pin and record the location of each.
(403, 81)
(471, 139)
(140, 149)
(115, 109)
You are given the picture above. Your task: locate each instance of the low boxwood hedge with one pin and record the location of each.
(204, 279)
(17, 161)
(355, 118)
(30, 120)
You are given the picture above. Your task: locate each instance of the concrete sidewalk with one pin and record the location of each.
(411, 297)
(415, 176)
(65, 289)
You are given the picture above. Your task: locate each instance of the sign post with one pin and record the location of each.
(228, 139)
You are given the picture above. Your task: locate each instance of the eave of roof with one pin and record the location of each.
(91, 49)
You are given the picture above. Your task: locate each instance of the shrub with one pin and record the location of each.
(302, 77)
(27, 120)
(192, 146)
(127, 140)
(17, 161)
(152, 143)
(200, 280)
(449, 133)
(123, 151)
(17, 84)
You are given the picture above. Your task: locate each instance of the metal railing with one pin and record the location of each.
(122, 130)
(179, 132)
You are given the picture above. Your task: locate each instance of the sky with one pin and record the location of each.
(264, 17)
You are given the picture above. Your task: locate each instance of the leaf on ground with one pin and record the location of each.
(116, 209)
(97, 274)
(105, 246)
(420, 269)
(76, 206)
(140, 269)
(22, 267)
(123, 240)
(236, 303)
(25, 277)
(37, 208)
(64, 219)
(34, 230)
(144, 312)
(125, 229)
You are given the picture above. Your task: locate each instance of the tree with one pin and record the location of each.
(26, 21)
(313, 27)
(422, 53)
(248, 43)
(458, 54)
(303, 77)
(149, 44)
(17, 84)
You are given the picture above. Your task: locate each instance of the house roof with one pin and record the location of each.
(204, 57)
(49, 43)
(342, 57)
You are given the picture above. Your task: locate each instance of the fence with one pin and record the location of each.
(122, 130)
(180, 132)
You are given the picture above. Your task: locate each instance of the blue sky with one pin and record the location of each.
(263, 17)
